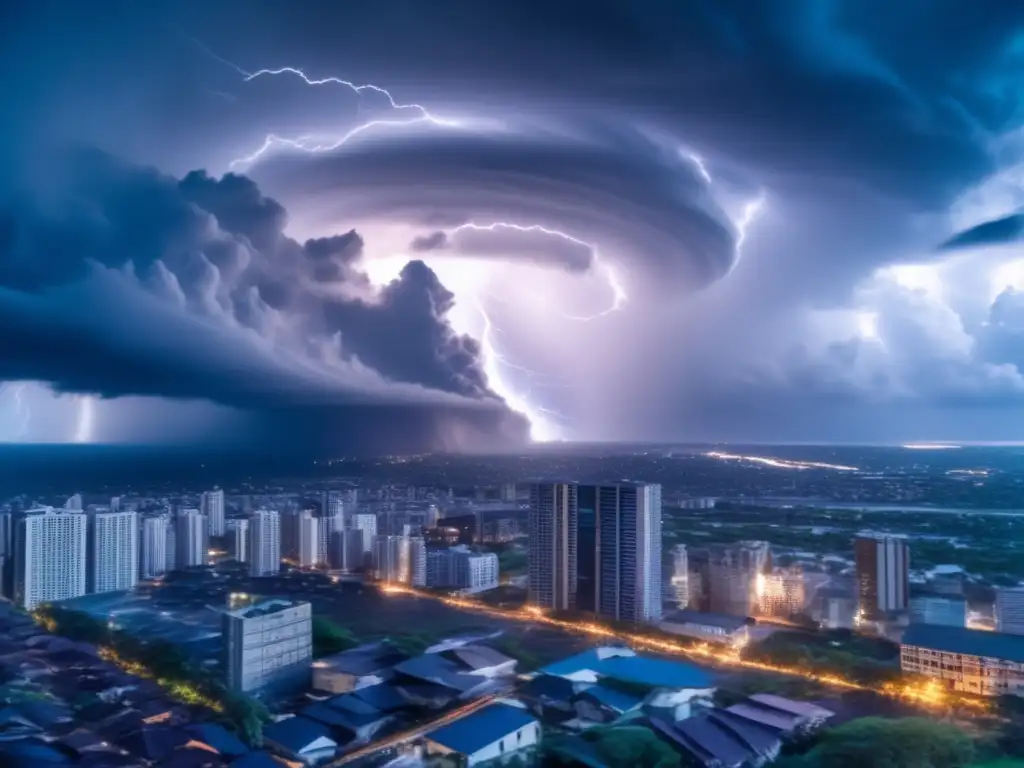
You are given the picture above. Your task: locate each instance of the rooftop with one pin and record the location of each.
(250, 607)
(723, 620)
(973, 642)
(477, 730)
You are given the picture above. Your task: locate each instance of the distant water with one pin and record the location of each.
(854, 506)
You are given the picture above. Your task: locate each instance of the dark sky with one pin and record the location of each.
(401, 225)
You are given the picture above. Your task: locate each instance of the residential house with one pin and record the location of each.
(300, 738)
(489, 733)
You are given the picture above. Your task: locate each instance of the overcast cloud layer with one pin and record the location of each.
(791, 220)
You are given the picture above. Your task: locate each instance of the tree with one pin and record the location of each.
(330, 637)
(247, 716)
(630, 746)
(910, 742)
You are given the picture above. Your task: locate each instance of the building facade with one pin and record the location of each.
(400, 559)
(1009, 611)
(264, 543)
(268, 645)
(153, 547)
(969, 660)
(461, 569)
(940, 611)
(368, 525)
(783, 592)
(113, 551)
(883, 576)
(735, 577)
(50, 554)
(237, 532)
(211, 504)
(190, 538)
(596, 549)
(309, 540)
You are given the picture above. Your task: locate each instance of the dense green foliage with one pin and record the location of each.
(839, 652)
(910, 742)
(632, 746)
(165, 663)
(330, 637)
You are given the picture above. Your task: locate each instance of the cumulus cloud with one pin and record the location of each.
(125, 282)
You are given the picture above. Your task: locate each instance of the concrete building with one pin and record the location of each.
(238, 539)
(153, 547)
(783, 592)
(113, 551)
(735, 577)
(711, 627)
(940, 611)
(461, 569)
(1009, 610)
(268, 645)
(553, 555)
(883, 576)
(834, 608)
(74, 502)
(309, 540)
(368, 525)
(50, 553)
(327, 527)
(969, 660)
(264, 543)
(400, 559)
(597, 548)
(678, 589)
(211, 504)
(190, 530)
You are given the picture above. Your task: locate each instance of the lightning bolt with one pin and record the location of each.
(605, 269)
(312, 144)
(542, 426)
(22, 413)
(750, 213)
(698, 163)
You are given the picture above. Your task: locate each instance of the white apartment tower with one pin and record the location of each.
(268, 645)
(264, 543)
(400, 559)
(49, 557)
(113, 554)
(238, 539)
(153, 547)
(190, 529)
(309, 540)
(212, 505)
(368, 525)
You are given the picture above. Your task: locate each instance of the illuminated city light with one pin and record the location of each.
(768, 461)
(927, 693)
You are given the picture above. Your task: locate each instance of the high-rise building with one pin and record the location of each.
(74, 502)
(460, 568)
(783, 592)
(368, 525)
(190, 528)
(347, 551)
(113, 551)
(327, 528)
(6, 534)
(172, 542)
(679, 582)
(940, 610)
(400, 559)
(268, 645)
(309, 540)
(153, 547)
(552, 553)
(334, 504)
(238, 539)
(883, 576)
(49, 556)
(597, 548)
(1010, 610)
(290, 534)
(264, 543)
(735, 577)
(115, 504)
(211, 504)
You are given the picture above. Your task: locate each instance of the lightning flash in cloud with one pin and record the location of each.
(543, 427)
(20, 410)
(606, 270)
(418, 114)
(86, 416)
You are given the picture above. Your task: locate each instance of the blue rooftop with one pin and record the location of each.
(617, 700)
(634, 668)
(475, 731)
(973, 642)
(295, 733)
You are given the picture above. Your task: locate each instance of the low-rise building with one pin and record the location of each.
(461, 569)
(493, 732)
(299, 738)
(712, 627)
(355, 668)
(968, 660)
(933, 609)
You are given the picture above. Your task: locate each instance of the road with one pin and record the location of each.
(405, 737)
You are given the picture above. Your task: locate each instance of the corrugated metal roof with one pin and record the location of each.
(974, 642)
(617, 700)
(623, 664)
(477, 730)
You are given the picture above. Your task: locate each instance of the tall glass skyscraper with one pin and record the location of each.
(597, 549)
